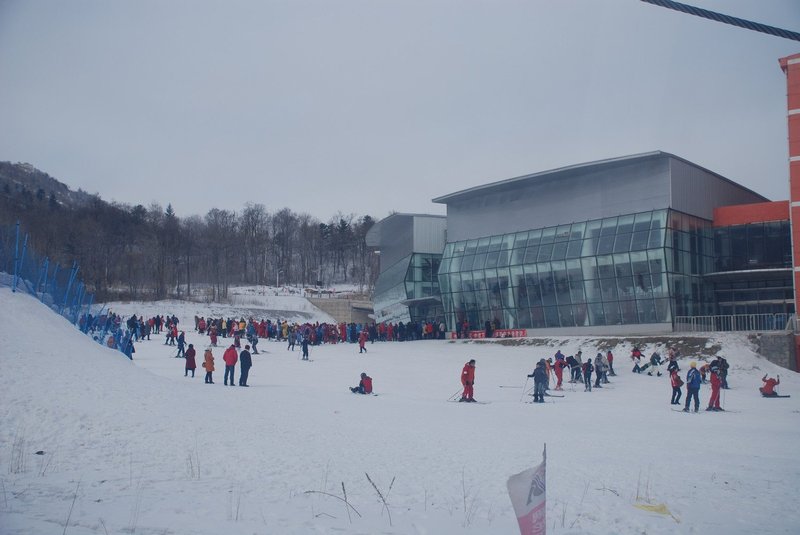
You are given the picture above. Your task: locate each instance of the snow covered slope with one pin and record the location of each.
(136, 447)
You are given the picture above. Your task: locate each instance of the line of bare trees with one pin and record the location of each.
(136, 252)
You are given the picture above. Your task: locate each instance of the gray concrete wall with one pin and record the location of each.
(777, 348)
(344, 310)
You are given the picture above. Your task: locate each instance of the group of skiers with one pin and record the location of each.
(230, 357)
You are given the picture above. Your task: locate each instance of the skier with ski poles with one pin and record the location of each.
(539, 381)
(468, 380)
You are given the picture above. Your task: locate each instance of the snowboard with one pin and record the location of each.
(786, 396)
(469, 402)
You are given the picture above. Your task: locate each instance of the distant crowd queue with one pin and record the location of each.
(121, 334)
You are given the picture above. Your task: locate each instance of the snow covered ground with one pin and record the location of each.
(136, 447)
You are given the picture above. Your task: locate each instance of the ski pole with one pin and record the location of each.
(523, 388)
(453, 397)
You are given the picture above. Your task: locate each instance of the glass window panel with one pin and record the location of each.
(532, 286)
(495, 242)
(611, 310)
(470, 247)
(448, 250)
(551, 317)
(625, 224)
(548, 235)
(596, 315)
(546, 284)
(545, 252)
(609, 289)
(609, 227)
(455, 263)
(576, 231)
(517, 276)
(647, 310)
(458, 247)
(626, 287)
(483, 245)
(656, 238)
(589, 247)
(502, 259)
(531, 254)
(562, 233)
(537, 317)
(565, 316)
(574, 249)
(491, 259)
(622, 265)
(559, 250)
(642, 221)
(520, 239)
(592, 231)
(605, 267)
(455, 282)
(480, 260)
(659, 219)
(639, 240)
(508, 242)
(589, 266)
(444, 265)
(576, 292)
(593, 293)
(580, 313)
(663, 311)
(561, 283)
(466, 262)
(605, 244)
(627, 312)
(574, 271)
(622, 243)
(524, 318)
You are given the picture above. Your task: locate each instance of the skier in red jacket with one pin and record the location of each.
(231, 357)
(468, 380)
(364, 386)
(768, 390)
(716, 383)
(559, 368)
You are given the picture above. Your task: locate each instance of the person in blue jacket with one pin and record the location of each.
(693, 381)
(539, 381)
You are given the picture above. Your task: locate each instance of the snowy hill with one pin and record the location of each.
(136, 447)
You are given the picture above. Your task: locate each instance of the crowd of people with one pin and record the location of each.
(121, 334)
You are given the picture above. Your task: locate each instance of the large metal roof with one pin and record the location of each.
(571, 170)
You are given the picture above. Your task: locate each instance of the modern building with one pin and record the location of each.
(625, 245)
(410, 248)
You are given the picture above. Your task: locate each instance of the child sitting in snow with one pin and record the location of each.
(364, 386)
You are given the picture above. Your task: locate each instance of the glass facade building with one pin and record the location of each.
(612, 271)
(409, 290)
(517, 255)
(410, 248)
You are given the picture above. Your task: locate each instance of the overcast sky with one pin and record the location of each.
(374, 106)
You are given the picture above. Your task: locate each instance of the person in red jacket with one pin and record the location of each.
(191, 365)
(231, 357)
(716, 383)
(364, 386)
(559, 368)
(676, 383)
(362, 341)
(468, 380)
(610, 359)
(768, 390)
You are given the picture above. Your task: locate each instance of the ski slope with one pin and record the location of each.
(136, 447)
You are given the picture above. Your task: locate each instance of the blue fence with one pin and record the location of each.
(59, 287)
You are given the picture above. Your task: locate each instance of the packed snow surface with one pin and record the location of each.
(92, 443)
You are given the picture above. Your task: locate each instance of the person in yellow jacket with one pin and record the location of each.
(208, 364)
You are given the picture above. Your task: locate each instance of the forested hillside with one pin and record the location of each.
(133, 251)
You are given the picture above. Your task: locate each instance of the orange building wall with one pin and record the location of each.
(791, 66)
(741, 214)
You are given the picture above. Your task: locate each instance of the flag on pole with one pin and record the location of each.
(527, 491)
